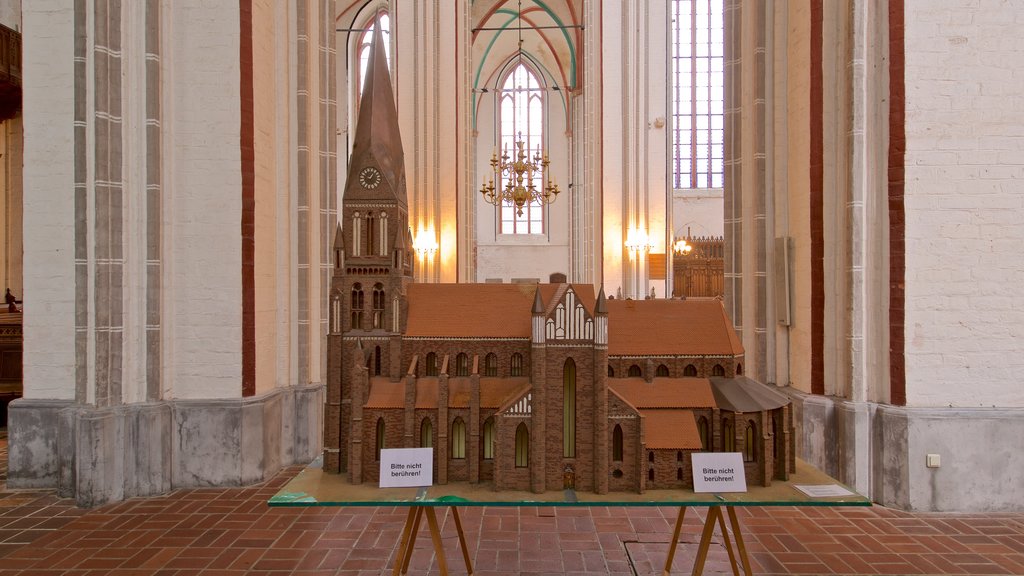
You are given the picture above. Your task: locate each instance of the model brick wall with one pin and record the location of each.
(676, 365)
(672, 469)
(502, 349)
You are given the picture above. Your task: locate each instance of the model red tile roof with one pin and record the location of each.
(664, 392)
(386, 394)
(481, 310)
(670, 430)
(426, 393)
(494, 392)
(670, 328)
(470, 310)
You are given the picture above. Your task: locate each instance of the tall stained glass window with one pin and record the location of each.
(522, 118)
(698, 93)
(367, 39)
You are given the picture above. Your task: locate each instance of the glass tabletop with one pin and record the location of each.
(313, 487)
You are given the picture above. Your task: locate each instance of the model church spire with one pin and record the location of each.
(377, 164)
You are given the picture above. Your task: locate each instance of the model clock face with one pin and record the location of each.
(369, 178)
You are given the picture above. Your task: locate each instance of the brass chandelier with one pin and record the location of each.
(518, 172)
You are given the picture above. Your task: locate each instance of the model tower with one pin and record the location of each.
(372, 265)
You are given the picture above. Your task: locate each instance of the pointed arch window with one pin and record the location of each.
(383, 233)
(728, 436)
(380, 438)
(459, 439)
(698, 94)
(462, 364)
(371, 232)
(489, 439)
(662, 371)
(431, 361)
(690, 371)
(357, 306)
(426, 434)
(702, 430)
(718, 370)
(750, 442)
(634, 371)
(617, 444)
(517, 365)
(569, 409)
(491, 365)
(378, 305)
(366, 41)
(522, 446)
(521, 117)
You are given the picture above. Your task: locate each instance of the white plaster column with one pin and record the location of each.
(49, 218)
(635, 191)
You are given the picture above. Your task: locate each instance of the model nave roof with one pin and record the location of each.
(670, 328)
(477, 310)
(635, 327)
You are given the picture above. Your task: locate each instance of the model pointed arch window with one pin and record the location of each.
(750, 442)
(703, 432)
(426, 433)
(728, 436)
(488, 444)
(516, 365)
(569, 409)
(521, 117)
(491, 364)
(378, 305)
(431, 364)
(522, 446)
(458, 439)
(357, 306)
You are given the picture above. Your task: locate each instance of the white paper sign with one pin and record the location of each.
(718, 472)
(403, 467)
(822, 490)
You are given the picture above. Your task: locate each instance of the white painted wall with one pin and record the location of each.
(699, 211)
(964, 199)
(10, 14)
(49, 216)
(202, 163)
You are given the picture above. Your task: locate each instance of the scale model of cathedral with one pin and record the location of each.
(522, 386)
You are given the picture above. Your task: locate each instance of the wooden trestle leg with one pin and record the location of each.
(462, 540)
(741, 549)
(412, 528)
(714, 516)
(435, 535)
(674, 542)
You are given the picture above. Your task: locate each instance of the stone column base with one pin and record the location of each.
(881, 450)
(100, 455)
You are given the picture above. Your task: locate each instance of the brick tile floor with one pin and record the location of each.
(231, 531)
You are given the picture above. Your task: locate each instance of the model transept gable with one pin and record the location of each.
(570, 315)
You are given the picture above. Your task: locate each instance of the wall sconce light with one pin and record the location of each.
(425, 243)
(637, 241)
